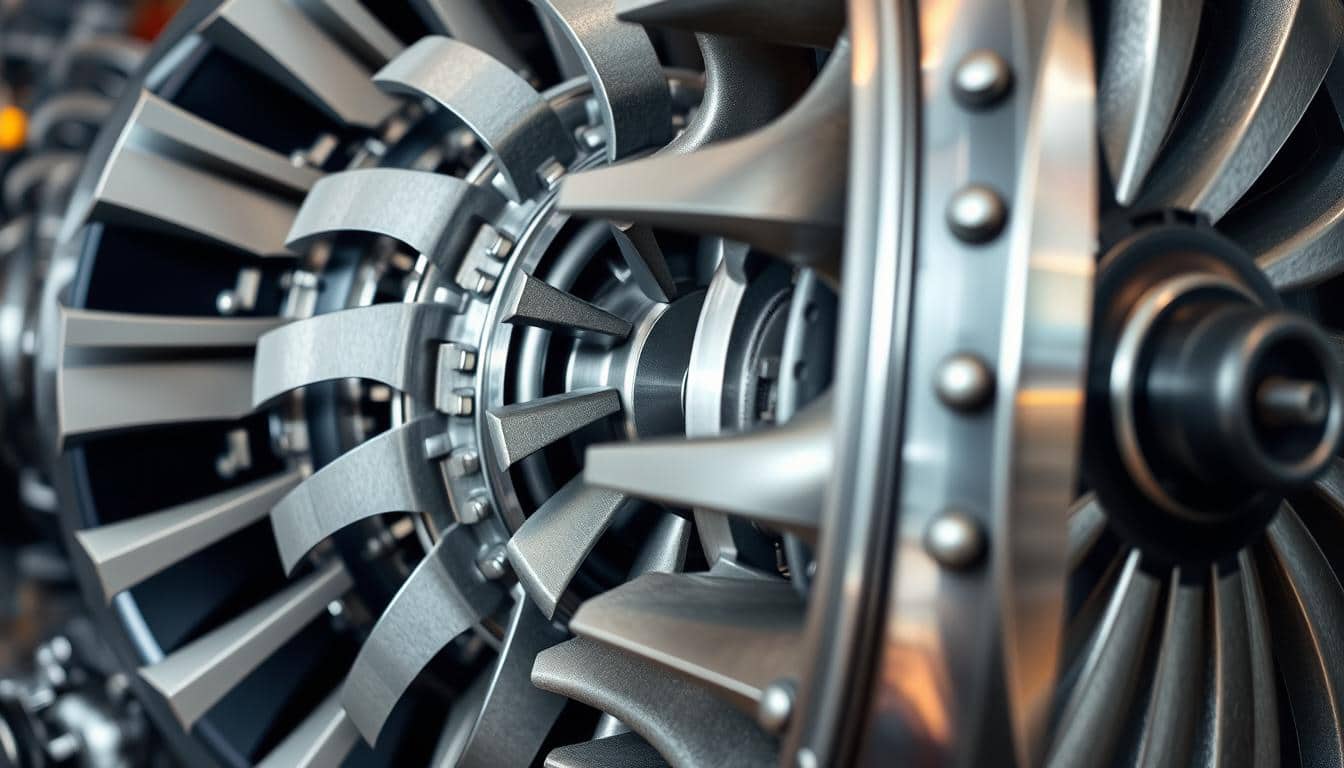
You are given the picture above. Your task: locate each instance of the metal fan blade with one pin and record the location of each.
(195, 677)
(388, 343)
(471, 23)
(775, 476)
(520, 430)
(1307, 611)
(550, 546)
(507, 115)
(1264, 688)
(1248, 98)
(430, 212)
(781, 188)
(795, 22)
(324, 738)
(1149, 47)
(1330, 485)
(623, 67)
(1087, 523)
(1088, 731)
(350, 22)
(644, 257)
(665, 548)
(516, 716)
(278, 39)
(625, 750)
(108, 356)
(536, 303)
(443, 597)
(735, 636)
(1294, 233)
(389, 473)
(1233, 737)
(126, 553)
(1170, 725)
(687, 724)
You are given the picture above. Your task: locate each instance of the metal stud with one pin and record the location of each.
(981, 79)
(964, 382)
(776, 705)
(955, 540)
(494, 564)
(976, 214)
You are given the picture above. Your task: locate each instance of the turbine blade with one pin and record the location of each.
(1233, 736)
(443, 597)
(776, 476)
(471, 23)
(626, 750)
(814, 23)
(1249, 97)
(644, 257)
(506, 114)
(1087, 522)
(389, 473)
(735, 636)
(350, 22)
(324, 738)
(1149, 47)
(520, 430)
(536, 303)
(126, 553)
(552, 544)
(1172, 720)
(1265, 691)
(279, 40)
(195, 677)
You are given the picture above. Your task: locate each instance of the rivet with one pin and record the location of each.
(981, 79)
(976, 214)
(494, 564)
(476, 509)
(776, 706)
(955, 540)
(964, 382)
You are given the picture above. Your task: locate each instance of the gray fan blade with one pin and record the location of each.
(507, 114)
(323, 739)
(471, 23)
(623, 68)
(1264, 689)
(430, 212)
(520, 430)
(796, 22)
(644, 257)
(443, 597)
(1233, 738)
(781, 188)
(350, 22)
(1294, 233)
(626, 750)
(685, 723)
(461, 720)
(735, 636)
(536, 303)
(665, 548)
(278, 39)
(1149, 47)
(389, 343)
(1307, 611)
(389, 473)
(550, 546)
(1172, 719)
(1249, 97)
(776, 476)
(516, 716)
(1087, 522)
(1088, 729)
(126, 553)
(108, 356)
(159, 126)
(195, 677)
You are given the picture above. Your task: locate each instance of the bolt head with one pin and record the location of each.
(982, 78)
(976, 214)
(965, 382)
(494, 564)
(776, 705)
(955, 540)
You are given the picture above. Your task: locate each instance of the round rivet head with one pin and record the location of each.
(964, 382)
(982, 78)
(494, 563)
(776, 706)
(955, 540)
(976, 214)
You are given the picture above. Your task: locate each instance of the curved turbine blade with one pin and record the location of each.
(443, 597)
(324, 738)
(1264, 688)
(505, 113)
(1233, 735)
(350, 22)
(126, 553)
(520, 430)
(389, 473)
(195, 677)
(471, 23)
(625, 750)
(1172, 720)
(796, 22)
(550, 546)
(735, 636)
(536, 303)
